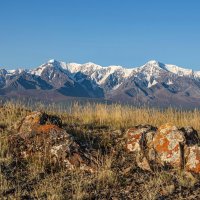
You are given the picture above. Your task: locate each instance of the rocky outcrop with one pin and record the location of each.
(166, 146)
(41, 135)
(139, 141)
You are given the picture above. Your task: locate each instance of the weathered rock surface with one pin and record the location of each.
(41, 135)
(166, 146)
(192, 155)
(139, 140)
(167, 143)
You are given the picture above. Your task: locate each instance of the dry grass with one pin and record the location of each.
(160, 184)
(105, 176)
(37, 179)
(115, 115)
(119, 116)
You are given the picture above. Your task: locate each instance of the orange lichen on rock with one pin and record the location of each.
(40, 135)
(29, 121)
(167, 144)
(46, 128)
(193, 159)
(135, 136)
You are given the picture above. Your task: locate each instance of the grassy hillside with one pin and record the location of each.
(103, 127)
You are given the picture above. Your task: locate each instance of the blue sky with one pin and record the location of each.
(122, 32)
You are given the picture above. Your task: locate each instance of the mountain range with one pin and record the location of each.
(153, 84)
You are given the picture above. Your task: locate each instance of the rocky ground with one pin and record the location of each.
(44, 156)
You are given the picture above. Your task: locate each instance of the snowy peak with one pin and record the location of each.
(54, 64)
(51, 65)
(99, 73)
(87, 67)
(154, 65)
(179, 70)
(12, 72)
(53, 61)
(150, 71)
(109, 77)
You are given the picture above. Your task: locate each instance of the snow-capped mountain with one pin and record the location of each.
(153, 83)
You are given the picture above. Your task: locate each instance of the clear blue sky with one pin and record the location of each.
(123, 32)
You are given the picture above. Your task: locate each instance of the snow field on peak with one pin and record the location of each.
(179, 70)
(151, 70)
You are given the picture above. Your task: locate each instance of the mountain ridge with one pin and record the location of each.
(153, 83)
(173, 67)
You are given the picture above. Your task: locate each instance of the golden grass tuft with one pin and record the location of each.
(119, 116)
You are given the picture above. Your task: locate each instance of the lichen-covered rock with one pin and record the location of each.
(41, 135)
(168, 144)
(139, 140)
(37, 118)
(192, 158)
(133, 143)
(139, 137)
